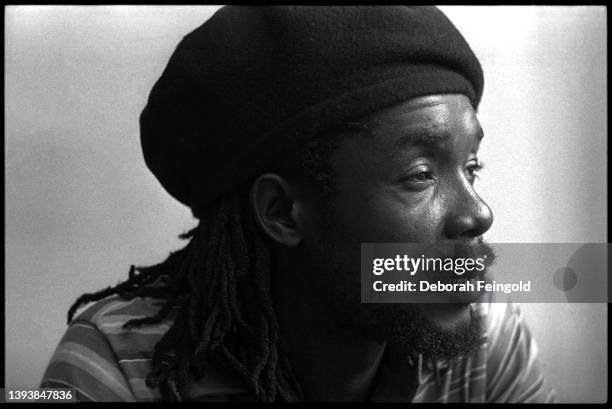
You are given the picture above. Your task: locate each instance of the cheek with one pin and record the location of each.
(390, 216)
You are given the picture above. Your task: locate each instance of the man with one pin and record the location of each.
(295, 134)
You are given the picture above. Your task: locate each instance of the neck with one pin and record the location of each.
(330, 364)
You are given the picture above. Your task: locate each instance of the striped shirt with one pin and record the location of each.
(103, 361)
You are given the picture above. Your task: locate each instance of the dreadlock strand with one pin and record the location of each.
(193, 277)
(226, 277)
(168, 292)
(171, 292)
(90, 297)
(208, 331)
(262, 270)
(239, 368)
(183, 367)
(215, 264)
(264, 345)
(240, 265)
(162, 360)
(214, 293)
(197, 278)
(234, 302)
(264, 362)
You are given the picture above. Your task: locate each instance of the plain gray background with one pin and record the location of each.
(81, 205)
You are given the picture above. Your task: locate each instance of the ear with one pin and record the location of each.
(276, 209)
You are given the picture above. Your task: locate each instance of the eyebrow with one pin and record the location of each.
(427, 136)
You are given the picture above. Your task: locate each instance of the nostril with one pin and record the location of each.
(459, 226)
(468, 226)
(471, 233)
(468, 216)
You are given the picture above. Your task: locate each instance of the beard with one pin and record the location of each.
(408, 326)
(410, 329)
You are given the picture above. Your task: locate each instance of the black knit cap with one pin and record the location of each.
(253, 82)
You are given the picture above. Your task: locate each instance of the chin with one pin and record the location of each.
(438, 331)
(449, 316)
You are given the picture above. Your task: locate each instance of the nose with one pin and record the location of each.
(468, 217)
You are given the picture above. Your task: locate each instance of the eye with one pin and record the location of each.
(472, 170)
(419, 174)
(420, 177)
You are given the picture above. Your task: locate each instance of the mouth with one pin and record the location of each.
(465, 296)
(464, 288)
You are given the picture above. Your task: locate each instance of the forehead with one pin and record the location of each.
(440, 127)
(432, 114)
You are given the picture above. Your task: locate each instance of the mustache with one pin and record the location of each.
(463, 250)
(481, 249)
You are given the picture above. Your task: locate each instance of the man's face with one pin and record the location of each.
(409, 178)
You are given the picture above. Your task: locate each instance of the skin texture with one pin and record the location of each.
(407, 177)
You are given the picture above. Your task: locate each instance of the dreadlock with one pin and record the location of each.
(219, 285)
(215, 281)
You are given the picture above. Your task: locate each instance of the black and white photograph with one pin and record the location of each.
(306, 203)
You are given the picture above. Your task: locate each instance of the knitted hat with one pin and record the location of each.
(253, 82)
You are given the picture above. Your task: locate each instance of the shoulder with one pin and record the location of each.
(102, 360)
(115, 309)
(132, 347)
(109, 317)
(108, 361)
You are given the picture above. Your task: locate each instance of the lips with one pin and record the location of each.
(455, 252)
(465, 296)
(463, 251)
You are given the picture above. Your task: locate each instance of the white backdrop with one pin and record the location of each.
(81, 205)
